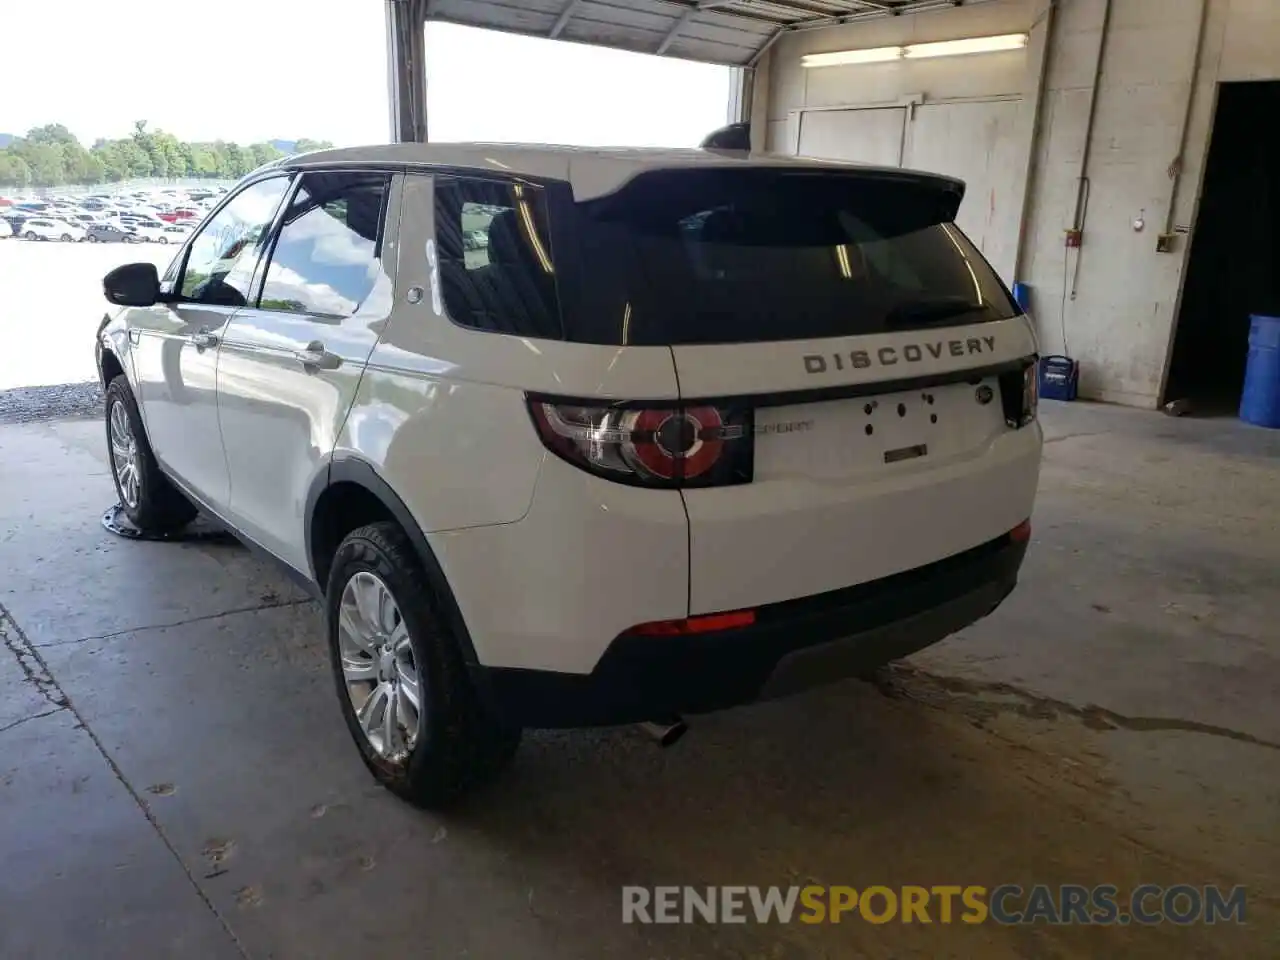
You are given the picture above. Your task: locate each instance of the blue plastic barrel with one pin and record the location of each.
(1022, 295)
(1260, 403)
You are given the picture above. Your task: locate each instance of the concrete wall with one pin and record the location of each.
(1120, 296)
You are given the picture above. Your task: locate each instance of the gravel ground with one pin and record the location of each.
(60, 402)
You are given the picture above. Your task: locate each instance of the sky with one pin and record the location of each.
(252, 70)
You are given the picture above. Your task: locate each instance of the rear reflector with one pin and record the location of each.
(704, 624)
(1021, 533)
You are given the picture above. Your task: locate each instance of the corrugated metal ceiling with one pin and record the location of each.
(733, 32)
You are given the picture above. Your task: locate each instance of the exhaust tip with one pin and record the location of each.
(665, 732)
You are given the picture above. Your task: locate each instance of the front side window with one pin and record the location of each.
(221, 260)
(497, 269)
(326, 260)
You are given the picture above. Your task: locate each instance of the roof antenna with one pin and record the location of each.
(735, 137)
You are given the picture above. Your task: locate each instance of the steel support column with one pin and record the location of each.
(741, 94)
(406, 69)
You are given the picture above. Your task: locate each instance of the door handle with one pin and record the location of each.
(203, 339)
(316, 357)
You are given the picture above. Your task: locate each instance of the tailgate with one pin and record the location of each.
(864, 476)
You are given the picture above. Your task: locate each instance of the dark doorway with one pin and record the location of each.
(1234, 267)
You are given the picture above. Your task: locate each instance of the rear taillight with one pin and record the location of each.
(676, 446)
(1020, 394)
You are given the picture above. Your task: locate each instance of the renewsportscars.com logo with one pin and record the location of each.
(1008, 904)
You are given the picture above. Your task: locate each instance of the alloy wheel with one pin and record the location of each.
(124, 454)
(379, 666)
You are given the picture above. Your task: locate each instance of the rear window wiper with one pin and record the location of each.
(929, 311)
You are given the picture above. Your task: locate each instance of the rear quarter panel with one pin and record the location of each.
(441, 414)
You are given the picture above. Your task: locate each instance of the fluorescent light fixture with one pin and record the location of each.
(951, 48)
(917, 51)
(842, 57)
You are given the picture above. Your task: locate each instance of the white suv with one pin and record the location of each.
(571, 437)
(48, 228)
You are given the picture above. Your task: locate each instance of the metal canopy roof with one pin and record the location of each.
(733, 32)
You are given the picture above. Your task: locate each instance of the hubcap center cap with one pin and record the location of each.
(386, 665)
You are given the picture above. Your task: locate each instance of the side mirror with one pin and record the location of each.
(133, 285)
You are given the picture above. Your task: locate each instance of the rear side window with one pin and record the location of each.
(751, 255)
(326, 258)
(497, 268)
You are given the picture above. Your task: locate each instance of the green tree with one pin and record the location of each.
(52, 133)
(81, 166)
(51, 155)
(187, 152)
(222, 160)
(240, 160)
(14, 171)
(114, 167)
(204, 160)
(264, 153)
(46, 162)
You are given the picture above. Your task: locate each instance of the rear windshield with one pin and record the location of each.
(715, 256)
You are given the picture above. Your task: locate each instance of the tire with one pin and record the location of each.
(65, 238)
(31, 235)
(164, 240)
(156, 505)
(91, 238)
(457, 746)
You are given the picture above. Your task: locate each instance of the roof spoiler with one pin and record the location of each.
(736, 137)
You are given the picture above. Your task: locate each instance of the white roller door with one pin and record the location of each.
(976, 142)
(865, 136)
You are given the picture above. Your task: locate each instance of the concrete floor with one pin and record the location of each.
(175, 779)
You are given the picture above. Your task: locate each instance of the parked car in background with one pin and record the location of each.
(177, 232)
(46, 228)
(82, 219)
(109, 233)
(142, 218)
(6, 231)
(155, 233)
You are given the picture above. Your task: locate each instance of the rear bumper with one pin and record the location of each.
(793, 645)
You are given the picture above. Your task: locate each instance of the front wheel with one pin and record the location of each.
(91, 238)
(31, 235)
(403, 686)
(150, 501)
(66, 238)
(164, 239)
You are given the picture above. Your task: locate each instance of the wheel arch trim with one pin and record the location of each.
(347, 469)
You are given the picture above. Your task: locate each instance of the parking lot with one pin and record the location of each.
(51, 303)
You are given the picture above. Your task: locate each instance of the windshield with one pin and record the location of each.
(760, 254)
